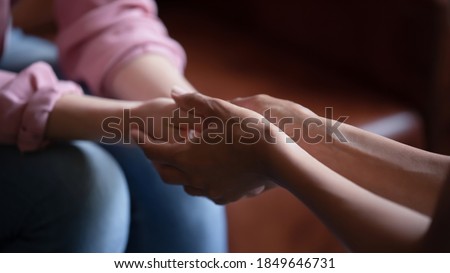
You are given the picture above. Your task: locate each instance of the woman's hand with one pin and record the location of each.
(155, 118)
(286, 115)
(225, 158)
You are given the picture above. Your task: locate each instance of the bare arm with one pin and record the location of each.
(363, 221)
(148, 76)
(398, 172)
(81, 117)
(107, 120)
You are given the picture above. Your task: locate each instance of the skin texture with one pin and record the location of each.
(369, 208)
(400, 173)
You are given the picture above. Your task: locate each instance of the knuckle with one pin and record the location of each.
(261, 98)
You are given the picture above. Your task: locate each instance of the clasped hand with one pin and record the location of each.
(218, 149)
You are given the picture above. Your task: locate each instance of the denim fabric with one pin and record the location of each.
(71, 197)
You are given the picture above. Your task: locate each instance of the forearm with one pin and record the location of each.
(81, 117)
(398, 172)
(146, 77)
(364, 221)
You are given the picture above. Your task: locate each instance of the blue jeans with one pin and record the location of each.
(85, 197)
(69, 198)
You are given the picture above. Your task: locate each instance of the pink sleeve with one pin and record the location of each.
(97, 37)
(26, 99)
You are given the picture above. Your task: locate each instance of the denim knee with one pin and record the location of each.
(68, 198)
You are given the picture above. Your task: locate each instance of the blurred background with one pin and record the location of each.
(383, 63)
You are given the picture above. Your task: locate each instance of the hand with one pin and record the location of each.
(225, 160)
(154, 118)
(286, 115)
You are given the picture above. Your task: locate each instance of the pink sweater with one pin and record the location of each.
(96, 38)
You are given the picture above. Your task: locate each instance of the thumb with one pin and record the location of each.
(194, 100)
(247, 102)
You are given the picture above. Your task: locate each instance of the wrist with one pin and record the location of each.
(119, 120)
(83, 117)
(293, 120)
(151, 117)
(308, 129)
(270, 150)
